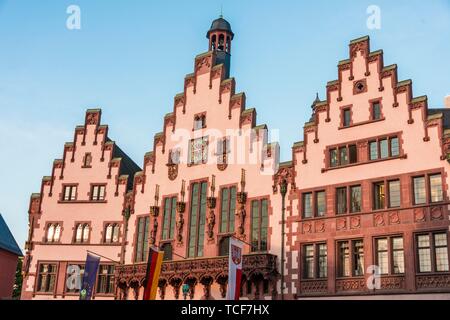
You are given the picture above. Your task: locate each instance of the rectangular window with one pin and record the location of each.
(346, 119)
(424, 253)
(322, 264)
(358, 258)
(378, 196)
(350, 258)
(228, 209)
(333, 158)
(355, 198)
(98, 193)
(353, 153)
(441, 252)
(384, 149)
(398, 257)
(383, 255)
(394, 194)
(170, 210)
(308, 265)
(70, 193)
(315, 261)
(198, 151)
(341, 200)
(197, 220)
(142, 239)
(432, 252)
(376, 111)
(46, 278)
(320, 204)
(390, 255)
(259, 225)
(395, 149)
(420, 195)
(373, 146)
(436, 194)
(344, 259)
(307, 205)
(105, 279)
(343, 156)
(72, 275)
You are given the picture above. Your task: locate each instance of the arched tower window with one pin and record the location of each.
(221, 44)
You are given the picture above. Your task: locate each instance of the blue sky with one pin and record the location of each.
(130, 58)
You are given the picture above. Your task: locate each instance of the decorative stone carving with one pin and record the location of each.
(392, 283)
(433, 281)
(351, 285)
(320, 226)
(314, 287)
(284, 173)
(355, 222)
(154, 231)
(394, 217)
(437, 213)
(419, 215)
(241, 213)
(211, 219)
(341, 224)
(172, 171)
(181, 206)
(378, 219)
(307, 227)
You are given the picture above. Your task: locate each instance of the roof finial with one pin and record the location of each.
(221, 11)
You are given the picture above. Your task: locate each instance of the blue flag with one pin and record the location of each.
(90, 274)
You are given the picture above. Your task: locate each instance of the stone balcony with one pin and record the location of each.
(198, 271)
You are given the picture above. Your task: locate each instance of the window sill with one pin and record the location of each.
(361, 123)
(403, 156)
(82, 201)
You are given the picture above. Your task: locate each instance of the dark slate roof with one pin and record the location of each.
(220, 25)
(127, 165)
(7, 241)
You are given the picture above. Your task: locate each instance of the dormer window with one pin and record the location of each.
(199, 121)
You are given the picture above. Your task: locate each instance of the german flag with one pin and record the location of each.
(154, 263)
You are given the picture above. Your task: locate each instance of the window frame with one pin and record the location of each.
(351, 246)
(431, 238)
(315, 261)
(260, 225)
(390, 253)
(230, 216)
(98, 197)
(426, 176)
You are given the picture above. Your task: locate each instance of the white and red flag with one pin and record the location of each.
(235, 269)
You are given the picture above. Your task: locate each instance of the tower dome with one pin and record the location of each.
(220, 24)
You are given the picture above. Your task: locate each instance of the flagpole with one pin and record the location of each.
(249, 244)
(99, 255)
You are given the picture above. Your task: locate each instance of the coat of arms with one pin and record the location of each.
(236, 254)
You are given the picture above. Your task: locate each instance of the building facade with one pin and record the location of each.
(358, 197)
(9, 258)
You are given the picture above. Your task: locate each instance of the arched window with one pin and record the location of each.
(86, 233)
(57, 234)
(82, 233)
(50, 233)
(79, 233)
(213, 42)
(221, 45)
(112, 233)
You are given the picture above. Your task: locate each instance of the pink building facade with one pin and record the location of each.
(358, 192)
